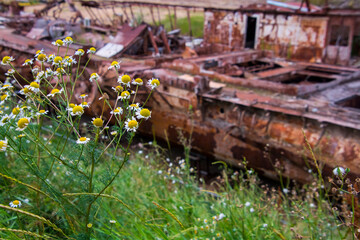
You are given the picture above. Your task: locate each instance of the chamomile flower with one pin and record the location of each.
(49, 72)
(60, 70)
(131, 125)
(42, 112)
(112, 221)
(35, 70)
(79, 52)
(114, 133)
(124, 95)
(38, 52)
(94, 77)
(68, 61)
(41, 57)
(15, 111)
(51, 58)
(39, 76)
(54, 92)
(3, 98)
(10, 72)
(83, 140)
(6, 86)
(58, 43)
(3, 145)
(115, 65)
(117, 111)
(34, 86)
(85, 104)
(134, 106)
(143, 113)
(125, 79)
(5, 119)
(57, 60)
(26, 91)
(83, 96)
(98, 122)
(22, 124)
(91, 50)
(118, 89)
(153, 83)
(28, 62)
(15, 204)
(68, 40)
(7, 60)
(77, 110)
(137, 81)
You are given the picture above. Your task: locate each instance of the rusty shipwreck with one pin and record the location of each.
(260, 80)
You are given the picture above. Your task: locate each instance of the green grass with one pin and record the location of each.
(197, 25)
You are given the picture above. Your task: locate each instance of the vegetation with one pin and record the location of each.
(197, 24)
(63, 177)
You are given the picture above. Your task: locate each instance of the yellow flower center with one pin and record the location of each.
(6, 85)
(77, 109)
(81, 50)
(59, 70)
(59, 42)
(6, 60)
(98, 122)
(23, 122)
(58, 59)
(125, 79)
(71, 105)
(155, 82)
(26, 90)
(89, 225)
(125, 94)
(83, 95)
(93, 49)
(38, 51)
(41, 57)
(84, 103)
(2, 144)
(145, 112)
(3, 97)
(134, 105)
(42, 111)
(132, 124)
(34, 85)
(114, 63)
(116, 110)
(16, 111)
(138, 80)
(54, 91)
(82, 139)
(27, 60)
(93, 75)
(16, 202)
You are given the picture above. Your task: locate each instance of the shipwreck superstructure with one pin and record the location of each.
(249, 98)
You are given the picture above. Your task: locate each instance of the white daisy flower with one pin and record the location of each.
(112, 221)
(113, 133)
(26, 91)
(91, 50)
(124, 95)
(77, 110)
(5, 119)
(118, 89)
(3, 145)
(35, 70)
(58, 43)
(51, 58)
(3, 98)
(134, 106)
(83, 140)
(137, 81)
(68, 61)
(115, 65)
(7, 60)
(153, 83)
(97, 122)
(10, 72)
(42, 112)
(131, 125)
(38, 52)
(41, 58)
(85, 104)
(15, 204)
(54, 92)
(34, 87)
(28, 62)
(79, 52)
(49, 72)
(57, 61)
(6, 86)
(22, 124)
(117, 111)
(143, 113)
(39, 76)
(125, 79)
(94, 77)
(83, 96)
(68, 40)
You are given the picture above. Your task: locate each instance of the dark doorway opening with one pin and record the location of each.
(250, 32)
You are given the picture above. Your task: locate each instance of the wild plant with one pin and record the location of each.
(41, 129)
